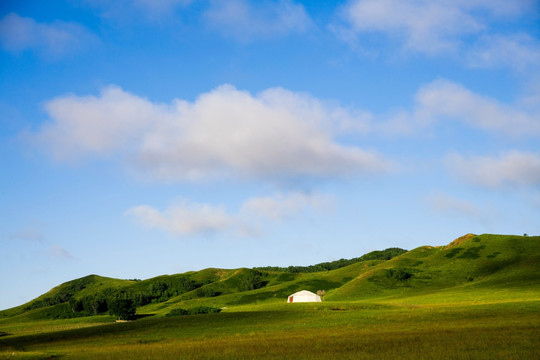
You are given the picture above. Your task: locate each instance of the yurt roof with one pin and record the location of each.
(302, 292)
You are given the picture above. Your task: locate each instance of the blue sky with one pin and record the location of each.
(140, 138)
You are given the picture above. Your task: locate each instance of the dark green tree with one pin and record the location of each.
(75, 305)
(123, 309)
(251, 280)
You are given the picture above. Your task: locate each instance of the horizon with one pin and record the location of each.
(144, 138)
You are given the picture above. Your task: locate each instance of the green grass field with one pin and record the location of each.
(477, 298)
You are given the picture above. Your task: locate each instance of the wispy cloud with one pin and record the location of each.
(284, 205)
(125, 10)
(184, 218)
(450, 205)
(246, 20)
(447, 100)
(59, 252)
(519, 51)
(513, 168)
(27, 234)
(190, 219)
(437, 27)
(226, 132)
(443, 100)
(50, 40)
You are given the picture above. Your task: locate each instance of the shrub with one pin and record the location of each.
(472, 253)
(453, 252)
(399, 274)
(194, 311)
(203, 310)
(177, 312)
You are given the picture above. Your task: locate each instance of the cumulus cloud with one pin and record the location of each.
(184, 218)
(281, 206)
(52, 41)
(245, 20)
(274, 134)
(443, 100)
(428, 26)
(513, 168)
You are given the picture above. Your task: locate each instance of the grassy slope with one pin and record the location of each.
(480, 296)
(472, 267)
(329, 330)
(469, 265)
(93, 284)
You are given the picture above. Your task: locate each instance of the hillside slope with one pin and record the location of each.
(471, 264)
(476, 262)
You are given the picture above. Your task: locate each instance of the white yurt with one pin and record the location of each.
(303, 296)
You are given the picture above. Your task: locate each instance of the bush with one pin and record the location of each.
(207, 291)
(203, 310)
(198, 310)
(399, 274)
(177, 312)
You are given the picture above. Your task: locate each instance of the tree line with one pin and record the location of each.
(386, 254)
(120, 302)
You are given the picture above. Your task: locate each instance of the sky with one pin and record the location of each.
(149, 137)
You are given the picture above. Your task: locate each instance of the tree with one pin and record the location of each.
(321, 293)
(123, 309)
(251, 280)
(75, 305)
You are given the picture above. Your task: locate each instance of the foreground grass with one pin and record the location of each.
(502, 330)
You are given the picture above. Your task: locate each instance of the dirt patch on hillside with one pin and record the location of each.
(460, 240)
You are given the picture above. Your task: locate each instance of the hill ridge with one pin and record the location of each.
(468, 262)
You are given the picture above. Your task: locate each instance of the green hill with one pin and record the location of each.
(470, 267)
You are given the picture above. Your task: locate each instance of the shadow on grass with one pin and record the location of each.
(189, 325)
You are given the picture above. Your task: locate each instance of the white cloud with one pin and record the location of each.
(429, 26)
(184, 218)
(274, 134)
(188, 218)
(245, 20)
(100, 126)
(52, 41)
(518, 51)
(513, 168)
(281, 206)
(443, 100)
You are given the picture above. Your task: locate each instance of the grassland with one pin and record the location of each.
(477, 298)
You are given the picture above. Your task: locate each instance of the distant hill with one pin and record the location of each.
(471, 264)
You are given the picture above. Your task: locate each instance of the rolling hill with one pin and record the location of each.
(472, 267)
